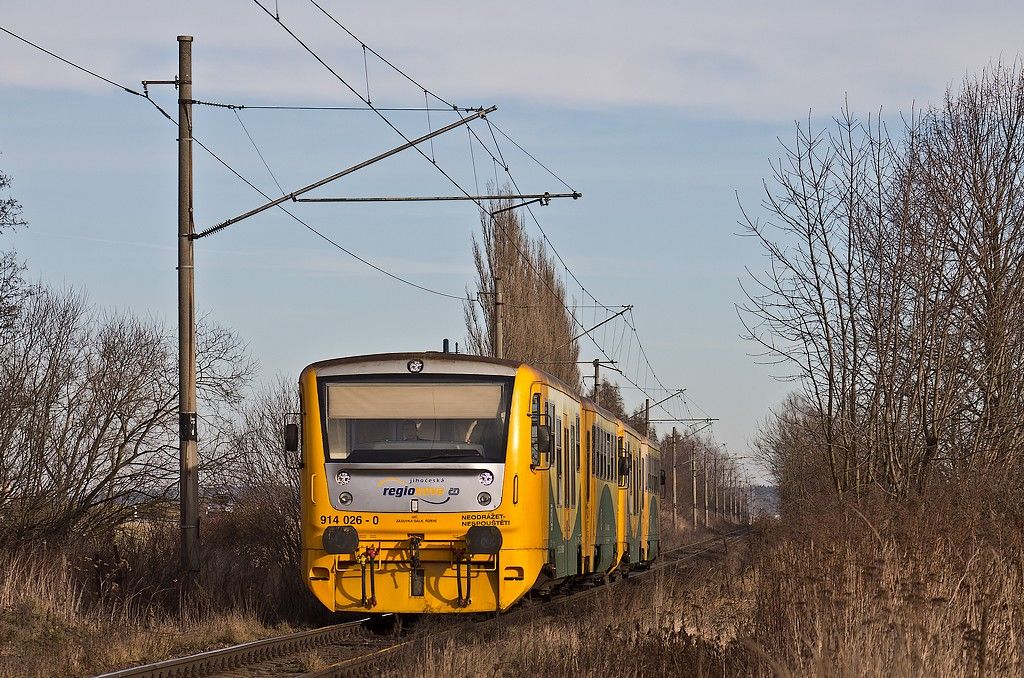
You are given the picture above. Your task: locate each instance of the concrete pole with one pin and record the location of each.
(188, 482)
(705, 474)
(727, 494)
(499, 334)
(693, 483)
(732, 495)
(674, 495)
(714, 475)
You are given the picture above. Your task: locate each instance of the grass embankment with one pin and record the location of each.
(932, 589)
(116, 603)
(49, 626)
(679, 622)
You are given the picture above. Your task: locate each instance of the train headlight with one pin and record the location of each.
(484, 498)
(343, 478)
(345, 498)
(486, 478)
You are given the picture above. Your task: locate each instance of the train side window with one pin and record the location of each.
(637, 470)
(592, 449)
(607, 456)
(609, 453)
(557, 428)
(572, 465)
(636, 482)
(636, 479)
(576, 454)
(604, 455)
(571, 474)
(576, 435)
(566, 463)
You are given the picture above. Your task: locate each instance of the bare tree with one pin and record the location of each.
(267, 488)
(537, 326)
(895, 293)
(88, 426)
(10, 209)
(804, 311)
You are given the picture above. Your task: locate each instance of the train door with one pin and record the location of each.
(571, 466)
(572, 519)
(643, 481)
(653, 504)
(620, 468)
(576, 476)
(633, 498)
(563, 522)
(587, 503)
(604, 498)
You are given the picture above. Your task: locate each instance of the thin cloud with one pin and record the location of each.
(742, 60)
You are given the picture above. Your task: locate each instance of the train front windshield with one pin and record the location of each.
(424, 421)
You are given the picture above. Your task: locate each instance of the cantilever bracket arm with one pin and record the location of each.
(447, 198)
(669, 397)
(544, 201)
(707, 422)
(586, 332)
(366, 163)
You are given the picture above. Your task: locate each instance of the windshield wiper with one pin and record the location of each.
(453, 454)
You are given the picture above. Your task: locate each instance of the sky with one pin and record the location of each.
(665, 115)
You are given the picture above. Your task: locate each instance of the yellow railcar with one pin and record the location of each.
(434, 482)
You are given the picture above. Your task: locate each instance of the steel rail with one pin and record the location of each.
(370, 664)
(224, 659)
(257, 651)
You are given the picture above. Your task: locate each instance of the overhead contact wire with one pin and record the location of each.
(71, 63)
(231, 169)
(257, 149)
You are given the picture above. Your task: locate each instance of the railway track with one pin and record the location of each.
(370, 657)
(216, 662)
(374, 663)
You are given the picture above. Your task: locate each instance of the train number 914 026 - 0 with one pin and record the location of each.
(347, 520)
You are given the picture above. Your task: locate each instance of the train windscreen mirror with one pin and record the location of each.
(544, 439)
(662, 477)
(291, 438)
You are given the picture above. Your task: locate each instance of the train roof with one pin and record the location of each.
(413, 355)
(511, 365)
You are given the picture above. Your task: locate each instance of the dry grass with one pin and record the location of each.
(932, 590)
(668, 625)
(51, 625)
(115, 602)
